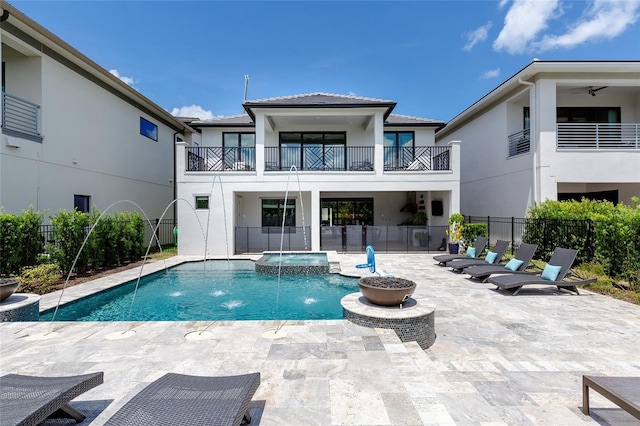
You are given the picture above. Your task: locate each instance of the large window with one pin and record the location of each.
(239, 150)
(588, 115)
(341, 212)
(273, 210)
(81, 203)
(148, 129)
(313, 150)
(398, 149)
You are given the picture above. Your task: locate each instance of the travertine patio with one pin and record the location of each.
(497, 359)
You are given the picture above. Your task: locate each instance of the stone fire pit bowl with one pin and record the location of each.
(7, 287)
(386, 291)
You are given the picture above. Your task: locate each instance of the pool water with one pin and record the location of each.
(297, 258)
(217, 290)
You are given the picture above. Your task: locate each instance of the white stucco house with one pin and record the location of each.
(74, 135)
(361, 175)
(555, 130)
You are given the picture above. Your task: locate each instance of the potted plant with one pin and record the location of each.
(455, 232)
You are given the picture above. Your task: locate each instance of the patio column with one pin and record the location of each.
(455, 168)
(315, 220)
(378, 143)
(260, 130)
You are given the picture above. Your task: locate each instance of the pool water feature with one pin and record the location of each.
(292, 263)
(219, 290)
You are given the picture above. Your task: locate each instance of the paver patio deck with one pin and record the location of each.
(497, 359)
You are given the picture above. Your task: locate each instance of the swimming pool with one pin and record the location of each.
(219, 290)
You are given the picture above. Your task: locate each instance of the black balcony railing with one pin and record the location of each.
(419, 158)
(319, 158)
(212, 159)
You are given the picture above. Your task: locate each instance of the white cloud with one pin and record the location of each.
(605, 19)
(477, 35)
(523, 22)
(527, 21)
(127, 80)
(192, 111)
(491, 73)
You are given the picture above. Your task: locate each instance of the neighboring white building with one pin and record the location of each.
(361, 173)
(555, 130)
(75, 135)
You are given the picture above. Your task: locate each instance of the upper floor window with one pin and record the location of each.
(398, 149)
(313, 150)
(81, 203)
(526, 117)
(148, 129)
(239, 150)
(588, 114)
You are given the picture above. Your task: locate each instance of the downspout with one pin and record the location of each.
(175, 187)
(533, 136)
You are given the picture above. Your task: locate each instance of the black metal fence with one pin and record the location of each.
(319, 158)
(268, 238)
(164, 230)
(547, 233)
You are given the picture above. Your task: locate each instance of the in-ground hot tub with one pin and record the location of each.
(293, 263)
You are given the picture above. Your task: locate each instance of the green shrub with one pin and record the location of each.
(602, 232)
(39, 279)
(20, 241)
(471, 231)
(69, 232)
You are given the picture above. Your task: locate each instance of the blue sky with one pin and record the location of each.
(434, 58)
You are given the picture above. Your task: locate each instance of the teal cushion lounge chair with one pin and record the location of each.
(499, 249)
(561, 257)
(479, 245)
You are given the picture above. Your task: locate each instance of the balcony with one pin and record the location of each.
(598, 136)
(20, 118)
(320, 158)
(419, 158)
(519, 143)
(217, 159)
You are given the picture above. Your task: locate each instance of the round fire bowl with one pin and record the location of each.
(386, 291)
(7, 288)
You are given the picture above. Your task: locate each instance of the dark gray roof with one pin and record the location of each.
(409, 121)
(239, 120)
(315, 100)
(319, 100)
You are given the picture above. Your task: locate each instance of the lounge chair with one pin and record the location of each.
(553, 274)
(622, 391)
(176, 399)
(30, 400)
(524, 254)
(496, 257)
(479, 245)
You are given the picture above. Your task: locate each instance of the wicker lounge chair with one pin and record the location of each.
(176, 399)
(622, 391)
(499, 249)
(562, 258)
(30, 400)
(525, 254)
(479, 245)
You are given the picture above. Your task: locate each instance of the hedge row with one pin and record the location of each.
(602, 232)
(113, 240)
(20, 241)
